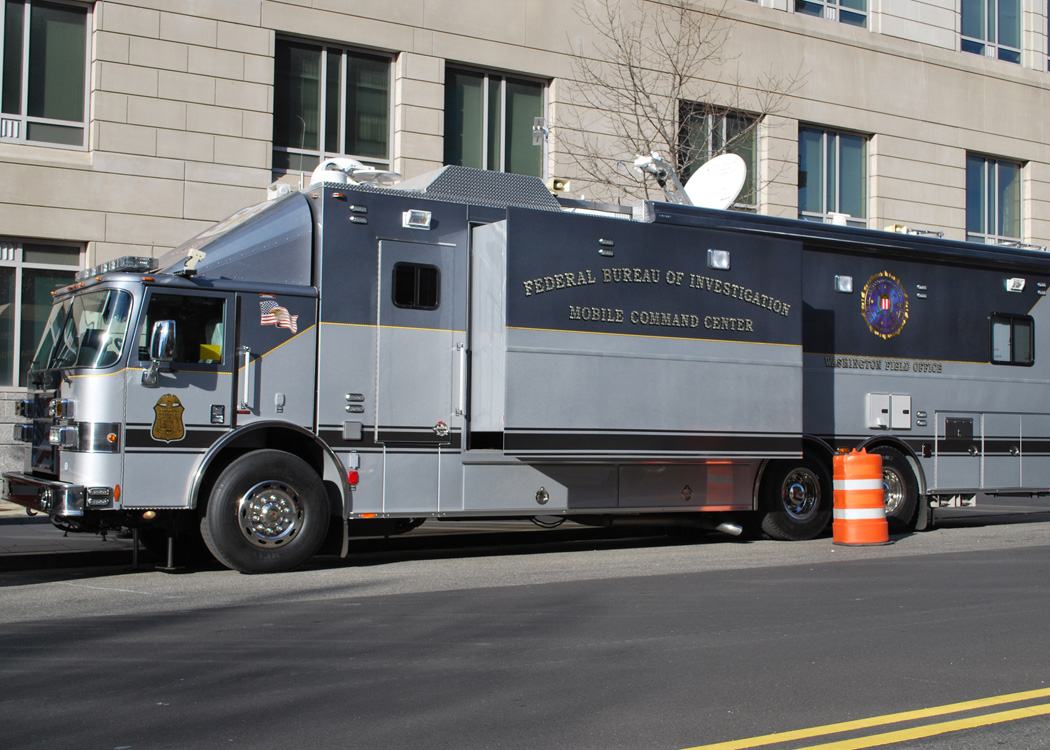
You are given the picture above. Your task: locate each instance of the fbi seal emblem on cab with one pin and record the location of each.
(884, 305)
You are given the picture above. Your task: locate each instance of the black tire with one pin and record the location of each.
(290, 518)
(901, 488)
(796, 497)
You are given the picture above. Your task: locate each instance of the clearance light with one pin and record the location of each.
(149, 515)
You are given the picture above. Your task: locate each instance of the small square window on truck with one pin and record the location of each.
(1012, 339)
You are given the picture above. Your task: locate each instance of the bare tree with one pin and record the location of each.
(655, 78)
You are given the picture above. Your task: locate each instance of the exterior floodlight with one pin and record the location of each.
(718, 259)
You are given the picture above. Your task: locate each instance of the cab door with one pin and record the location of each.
(172, 420)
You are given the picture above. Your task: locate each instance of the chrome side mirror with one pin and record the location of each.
(161, 350)
(162, 341)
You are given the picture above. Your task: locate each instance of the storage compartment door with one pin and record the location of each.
(1002, 451)
(958, 452)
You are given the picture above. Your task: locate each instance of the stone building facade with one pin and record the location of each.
(128, 126)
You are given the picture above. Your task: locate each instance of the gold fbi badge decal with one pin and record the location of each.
(167, 420)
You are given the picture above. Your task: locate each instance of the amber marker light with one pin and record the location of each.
(116, 494)
(369, 515)
(111, 437)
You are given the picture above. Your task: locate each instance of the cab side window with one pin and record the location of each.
(199, 327)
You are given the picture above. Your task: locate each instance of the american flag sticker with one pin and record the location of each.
(272, 314)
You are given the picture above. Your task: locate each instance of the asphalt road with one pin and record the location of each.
(548, 639)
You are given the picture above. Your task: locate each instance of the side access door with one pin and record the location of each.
(173, 420)
(421, 369)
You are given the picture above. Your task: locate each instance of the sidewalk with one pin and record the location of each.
(10, 510)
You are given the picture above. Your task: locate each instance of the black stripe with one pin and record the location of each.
(139, 437)
(644, 443)
(421, 437)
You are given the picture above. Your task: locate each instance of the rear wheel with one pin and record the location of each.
(900, 487)
(267, 513)
(796, 497)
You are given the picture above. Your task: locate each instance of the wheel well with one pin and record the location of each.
(301, 444)
(811, 446)
(909, 455)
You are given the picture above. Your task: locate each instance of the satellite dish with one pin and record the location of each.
(718, 182)
(347, 171)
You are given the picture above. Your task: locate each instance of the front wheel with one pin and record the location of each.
(267, 513)
(796, 498)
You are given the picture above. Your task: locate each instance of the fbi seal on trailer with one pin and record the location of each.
(884, 305)
(168, 426)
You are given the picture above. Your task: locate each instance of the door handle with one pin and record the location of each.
(243, 406)
(461, 404)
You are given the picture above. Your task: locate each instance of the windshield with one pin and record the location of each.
(87, 330)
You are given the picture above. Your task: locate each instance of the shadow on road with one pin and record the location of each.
(442, 540)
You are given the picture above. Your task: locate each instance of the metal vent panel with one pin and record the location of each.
(476, 187)
(9, 128)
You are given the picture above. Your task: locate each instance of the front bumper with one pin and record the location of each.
(56, 499)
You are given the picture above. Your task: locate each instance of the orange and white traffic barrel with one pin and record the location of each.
(860, 507)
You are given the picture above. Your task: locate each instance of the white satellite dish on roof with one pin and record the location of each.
(718, 182)
(347, 171)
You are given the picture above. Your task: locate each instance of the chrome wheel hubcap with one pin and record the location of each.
(800, 494)
(270, 514)
(893, 489)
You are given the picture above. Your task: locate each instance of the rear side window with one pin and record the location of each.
(416, 286)
(1013, 339)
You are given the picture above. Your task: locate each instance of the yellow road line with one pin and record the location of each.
(930, 730)
(875, 721)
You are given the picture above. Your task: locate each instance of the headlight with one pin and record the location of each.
(64, 437)
(23, 432)
(60, 408)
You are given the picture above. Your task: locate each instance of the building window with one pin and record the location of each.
(705, 132)
(993, 200)
(29, 271)
(329, 101)
(1012, 340)
(489, 121)
(992, 28)
(832, 176)
(853, 12)
(43, 93)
